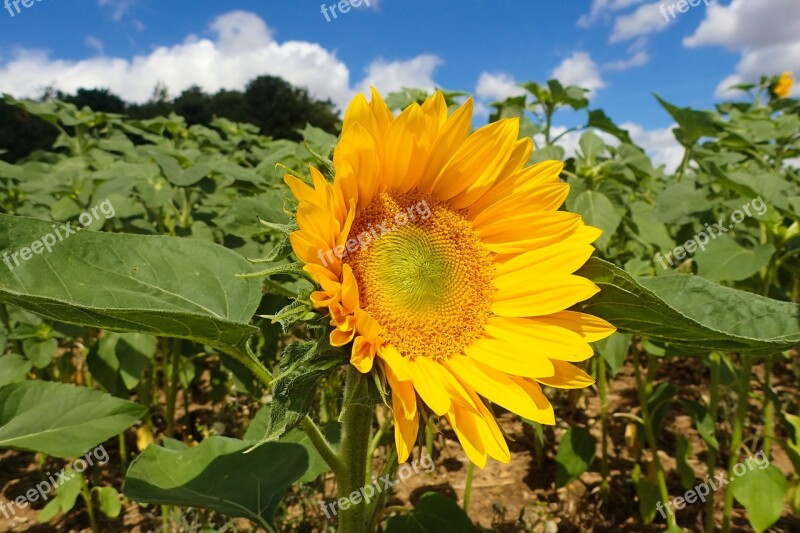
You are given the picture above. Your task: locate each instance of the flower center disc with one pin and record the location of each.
(424, 274)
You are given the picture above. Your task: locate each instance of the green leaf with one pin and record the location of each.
(614, 350)
(13, 368)
(118, 360)
(703, 422)
(683, 450)
(61, 420)
(162, 286)
(598, 119)
(303, 364)
(649, 495)
(726, 260)
(218, 475)
(108, 501)
(598, 211)
(547, 153)
(259, 427)
(435, 513)
(761, 492)
(693, 124)
(691, 311)
(65, 498)
(576, 452)
(40, 352)
(679, 202)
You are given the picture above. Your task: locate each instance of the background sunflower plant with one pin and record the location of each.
(418, 279)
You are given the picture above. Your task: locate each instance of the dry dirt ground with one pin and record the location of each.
(518, 497)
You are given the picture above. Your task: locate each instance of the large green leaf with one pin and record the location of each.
(434, 513)
(158, 285)
(59, 419)
(598, 211)
(726, 260)
(691, 311)
(218, 475)
(761, 491)
(260, 425)
(575, 455)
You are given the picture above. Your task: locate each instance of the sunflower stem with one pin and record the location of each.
(736, 438)
(645, 389)
(602, 384)
(356, 426)
(711, 456)
(468, 486)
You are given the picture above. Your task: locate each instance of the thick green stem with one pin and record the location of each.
(736, 439)
(356, 426)
(602, 385)
(645, 389)
(711, 456)
(769, 408)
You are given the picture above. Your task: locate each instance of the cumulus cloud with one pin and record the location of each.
(660, 144)
(579, 69)
(647, 19)
(497, 87)
(765, 32)
(391, 76)
(241, 48)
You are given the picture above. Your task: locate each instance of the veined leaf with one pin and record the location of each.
(218, 475)
(61, 420)
(158, 285)
(691, 311)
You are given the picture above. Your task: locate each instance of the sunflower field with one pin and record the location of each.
(421, 324)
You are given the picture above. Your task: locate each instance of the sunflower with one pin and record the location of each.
(443, 259)
(784, 85)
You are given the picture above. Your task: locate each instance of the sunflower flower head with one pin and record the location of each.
(442, 257)
(784, 85)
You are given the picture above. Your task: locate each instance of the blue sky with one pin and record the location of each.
(624, 50)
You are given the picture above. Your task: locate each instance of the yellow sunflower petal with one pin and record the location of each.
(510, 357)
(492, 385)
(567, 377)
(427, 380)
(548, 295)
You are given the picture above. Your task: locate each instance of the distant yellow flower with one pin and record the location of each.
(444, 259)
(784, 86)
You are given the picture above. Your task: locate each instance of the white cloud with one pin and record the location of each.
(765, 32)
(602, 8)
(660, 144)
(497, 87)
(647, 19)
(636, 60)
(390, 76)
(579, 69)
(242, 48)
